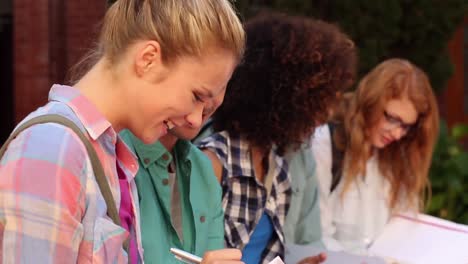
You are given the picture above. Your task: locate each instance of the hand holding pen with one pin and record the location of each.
(222, 256)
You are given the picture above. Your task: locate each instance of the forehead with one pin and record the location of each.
(403, 109)
(210, 71)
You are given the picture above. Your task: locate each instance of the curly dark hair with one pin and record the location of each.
(292, 71)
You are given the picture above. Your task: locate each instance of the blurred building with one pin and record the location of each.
(40, 41)
(455, 98)
(6, 68)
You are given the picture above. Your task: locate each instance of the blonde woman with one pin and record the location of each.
(154, 60)
(379, 147)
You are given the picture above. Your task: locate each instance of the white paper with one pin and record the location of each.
(422, 239)
(296, 253)
(277, 260)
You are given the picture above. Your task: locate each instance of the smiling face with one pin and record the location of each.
(165, 96)
(211, 102)
(398, 117)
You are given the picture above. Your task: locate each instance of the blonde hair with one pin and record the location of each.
(181, 27)
(405, 163)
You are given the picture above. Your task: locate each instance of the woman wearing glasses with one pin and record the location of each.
(374, 156)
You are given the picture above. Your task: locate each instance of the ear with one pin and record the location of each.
(147, 57)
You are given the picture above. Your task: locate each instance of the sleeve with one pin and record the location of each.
(42, 186)
(218, 145)
(303, 220)
(216, 231)
(321, 150)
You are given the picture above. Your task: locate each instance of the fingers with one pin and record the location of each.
(225, 262)
(314, 259)
(223, 256)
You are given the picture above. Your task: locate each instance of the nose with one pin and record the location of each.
(195, 118)
(397, 133)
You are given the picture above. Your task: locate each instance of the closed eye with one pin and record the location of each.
(197, 97)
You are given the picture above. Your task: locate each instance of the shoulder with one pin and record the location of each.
(217, 146)
(321, 134)
(48, 153)
(216, 140)
(203, 171)
(321, 142)
(50, 144)
(199, 158)
(48, 141)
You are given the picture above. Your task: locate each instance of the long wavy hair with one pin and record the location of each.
(405, 163)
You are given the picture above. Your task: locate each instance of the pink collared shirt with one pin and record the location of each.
(51, 209)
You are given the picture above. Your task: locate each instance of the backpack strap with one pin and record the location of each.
(337, 159)
(95, 162)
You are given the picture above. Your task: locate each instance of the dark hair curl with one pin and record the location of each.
(292, 71)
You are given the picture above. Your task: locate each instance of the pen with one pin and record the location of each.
(185, 256)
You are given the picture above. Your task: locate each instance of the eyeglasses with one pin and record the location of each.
(394, 122)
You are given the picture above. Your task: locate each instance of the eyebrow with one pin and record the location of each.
(208, 93)
(399, 119)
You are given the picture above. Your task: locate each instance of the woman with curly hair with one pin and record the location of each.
(380, 143)
(292, 71)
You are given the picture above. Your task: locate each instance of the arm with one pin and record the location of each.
(219, 256)
(305, 218)
(216, 230)
(321, 150)
(41, 196)
(303, 221)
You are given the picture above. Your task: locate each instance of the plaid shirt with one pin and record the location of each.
(51, 208)
(244, 197)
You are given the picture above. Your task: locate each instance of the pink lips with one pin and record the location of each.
(386, 140)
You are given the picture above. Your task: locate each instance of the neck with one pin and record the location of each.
(257, 159)
(100, 87)
(168, 141)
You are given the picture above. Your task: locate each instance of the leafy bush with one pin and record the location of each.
(418, 30)
(449, 176)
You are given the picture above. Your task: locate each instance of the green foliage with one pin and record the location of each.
(418, 30)
(449, 176)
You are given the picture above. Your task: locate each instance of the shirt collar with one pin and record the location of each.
(92, 119)
(183, 148)
(156, 152)
(127, 159)
(245, 168)
(95, 124)
(150, 153)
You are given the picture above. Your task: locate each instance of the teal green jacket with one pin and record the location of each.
(302, 225)
(200, 193)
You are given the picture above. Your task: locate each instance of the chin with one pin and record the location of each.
(149, 138)
(184, 135)
(378, 144)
